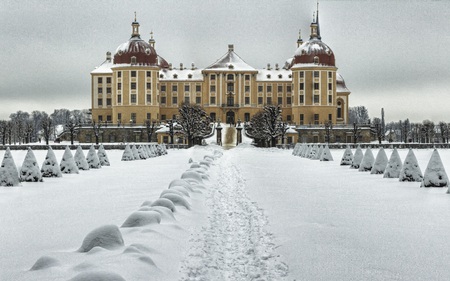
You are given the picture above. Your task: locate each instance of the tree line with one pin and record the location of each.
(23, 127)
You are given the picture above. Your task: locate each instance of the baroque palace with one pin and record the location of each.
(136, 85)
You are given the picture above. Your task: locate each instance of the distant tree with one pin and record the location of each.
(36, 117)
(150, 125)
(96, 129)
(194, 123)
(443, 130)
(378, 129)
(3, 131)
(266, 125)
(428, 131)
(356, 133)
(71, 126)
(47, 127)
(60, 116)
(18, 121)
(358, 115)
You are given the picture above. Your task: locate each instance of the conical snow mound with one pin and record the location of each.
(127, 154)
(394, 166)
(135, 152)
(102, 156)
(30, 169)
(326, 154)
(50, 167)
(367, 161)
(68, 165)
(92, 159)
(357, 159)
(9, 176)
(380, 162)
(80, 160)
(411, 170)
(347, 158)
(435, 175)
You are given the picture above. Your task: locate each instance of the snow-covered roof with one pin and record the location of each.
(180, 74)
(313, 47)
(274, 75)
(340, 84)
(104, 68)
(230, 61)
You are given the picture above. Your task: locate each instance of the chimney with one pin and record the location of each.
(108, 56)
(230, 48)
(170, 66)
(193, 66)
(181, 66)
(276, 66)
(268, 66)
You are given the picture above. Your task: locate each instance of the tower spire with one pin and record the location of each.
(315, 28)
(299, 40)
(317, 21)
(151, 41)
(135, 26)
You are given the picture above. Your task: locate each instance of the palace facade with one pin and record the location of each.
(136, 85)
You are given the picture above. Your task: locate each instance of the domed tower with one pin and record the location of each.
(314, 79)
(135, 78)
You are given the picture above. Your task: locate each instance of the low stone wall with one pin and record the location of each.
(83, 146)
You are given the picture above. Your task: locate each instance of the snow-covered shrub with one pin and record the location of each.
(102, 156)
(45, 262)
(135, 152)
(380, 162)
(164, 202)
(165, 213)
(172, 191)
(180, 189)
(394, 165)
(326, 154)
(177, 200)
(107, 236)
(141, 152)
(127, 154)
(305, 152)
(192, 176)
(411, 170)
(30, 171)
(435, 175)
(367, 161)
(319, 153)
(347, 158)
(68, 165)
(92, 159)
(357, 158)
(97, 275)
(9, 176)
(80, 160)
(142, 218)
(50, 167)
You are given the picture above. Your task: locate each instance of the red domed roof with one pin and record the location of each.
(311, 49)
(136, 47)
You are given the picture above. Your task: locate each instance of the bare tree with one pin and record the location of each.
(4, 131)
(443, 128)
(358, 115)
(71, 126)
(96, 129)
(356, 133)
(266, 125)
(47, 127)
(150, 126)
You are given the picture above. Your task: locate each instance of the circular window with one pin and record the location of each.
(147, 51)
(120, 52)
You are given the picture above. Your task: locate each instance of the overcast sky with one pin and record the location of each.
(392, 54)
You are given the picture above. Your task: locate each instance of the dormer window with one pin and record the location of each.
(161, 76)
(280, 76)
(175, 76)
(268, 76)
(231, 66)
(133, 60)
(290, 75)
(189, 76)
(316, 60)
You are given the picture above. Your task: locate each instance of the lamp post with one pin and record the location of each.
(219, 133)
(239, 132)
(170, 122)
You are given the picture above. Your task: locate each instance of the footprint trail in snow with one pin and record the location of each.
(234, 244)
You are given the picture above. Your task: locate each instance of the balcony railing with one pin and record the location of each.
(230, 105)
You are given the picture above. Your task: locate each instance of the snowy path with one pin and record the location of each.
(234, 245)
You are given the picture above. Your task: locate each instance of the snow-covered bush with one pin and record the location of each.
(326, 154)
(9, 176)
(164, 202)
(380, 162)
(319, 153)
(127, 154)
(102, 156)
(367, 161)
(394, 165)
(30, 171)
(142, 218)
(411, 170)
(180, 189)
(296, 149)
(92, 159)
(135, 152)
(192, 176)
(435, 175)
(172, 191)
(68, 165)
(142, 153)
(107, 236)
(347, 157)
(45, 262)
(50, 167)
(177, 200)
(80, 160)
(357, 158)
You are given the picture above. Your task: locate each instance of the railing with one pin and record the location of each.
(230, 105)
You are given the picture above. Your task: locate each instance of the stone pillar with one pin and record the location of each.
(239, 133)
(219, 134)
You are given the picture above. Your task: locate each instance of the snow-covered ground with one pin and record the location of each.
(263, 214)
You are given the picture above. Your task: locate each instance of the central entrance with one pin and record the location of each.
(230, 117)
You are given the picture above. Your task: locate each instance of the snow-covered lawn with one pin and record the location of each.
(263, 214)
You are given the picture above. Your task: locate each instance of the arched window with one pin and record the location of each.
(339, 109)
